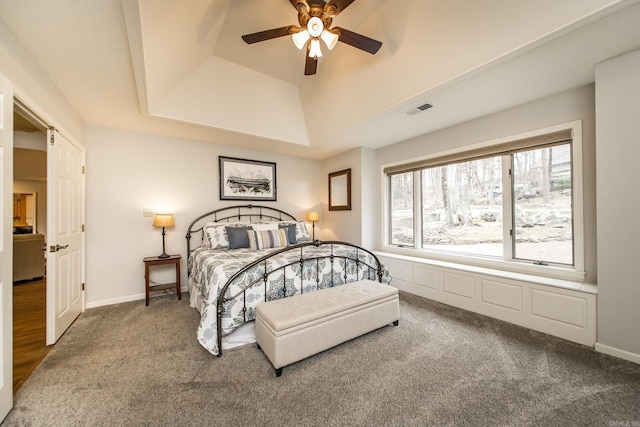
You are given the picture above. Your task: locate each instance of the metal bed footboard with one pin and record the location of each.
(371, 272)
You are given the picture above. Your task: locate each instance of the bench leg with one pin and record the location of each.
(396, 323)
(278, 372)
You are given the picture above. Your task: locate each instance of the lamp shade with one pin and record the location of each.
(313, 216)
(329, 38)
(300, 38)
(163, 220)
(314, 51)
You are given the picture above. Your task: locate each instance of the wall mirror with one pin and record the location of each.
(340, 190)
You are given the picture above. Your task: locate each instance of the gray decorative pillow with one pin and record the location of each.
(291, 232)
(237, 237)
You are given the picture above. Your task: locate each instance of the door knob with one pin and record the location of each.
(56, 248)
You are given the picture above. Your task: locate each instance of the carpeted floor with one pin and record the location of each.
(131, 365)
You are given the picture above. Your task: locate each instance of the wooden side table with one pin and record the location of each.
(154, 260)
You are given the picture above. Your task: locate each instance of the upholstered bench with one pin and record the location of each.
(291, 329)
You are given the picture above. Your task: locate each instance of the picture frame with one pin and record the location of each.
(243, 179)
(340, 190)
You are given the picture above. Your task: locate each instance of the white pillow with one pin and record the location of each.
(265, 227)
(302, 234)
(217, 236)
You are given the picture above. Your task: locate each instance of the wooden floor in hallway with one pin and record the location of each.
(29, 328)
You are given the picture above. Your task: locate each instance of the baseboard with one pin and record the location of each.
(622, 354)
(128, 298)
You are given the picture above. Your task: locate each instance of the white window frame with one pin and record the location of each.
(574, 272)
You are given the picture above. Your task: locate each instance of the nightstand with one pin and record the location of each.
(153, 261)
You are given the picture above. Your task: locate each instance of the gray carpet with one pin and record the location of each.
(129, 365)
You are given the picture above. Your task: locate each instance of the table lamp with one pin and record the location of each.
(313, 216)
(163, 220)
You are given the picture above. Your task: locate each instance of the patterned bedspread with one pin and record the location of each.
(210, 269)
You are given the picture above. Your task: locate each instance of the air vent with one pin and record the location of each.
(418, 109)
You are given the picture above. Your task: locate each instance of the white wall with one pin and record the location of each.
(577, 104)
(35, 88)
(618, 151)
(343, 225)
(127, 172)
(370, 212)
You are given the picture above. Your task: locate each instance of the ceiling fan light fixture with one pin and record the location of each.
(315, 26)
(300, 38)
(329, 38)
(314, 49)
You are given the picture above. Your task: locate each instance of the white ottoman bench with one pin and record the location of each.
(291, 329)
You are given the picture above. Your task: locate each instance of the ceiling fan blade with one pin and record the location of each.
(334, 7)
(358, 40)
(311, 64)
(270, 34)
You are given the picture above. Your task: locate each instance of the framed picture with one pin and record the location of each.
(340, 190)
(242, 179)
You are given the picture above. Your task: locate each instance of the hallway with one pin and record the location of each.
(29, 329)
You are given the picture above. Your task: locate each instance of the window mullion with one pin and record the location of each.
(417, 209)
(507, 207)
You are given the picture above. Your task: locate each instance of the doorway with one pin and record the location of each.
(30, 235)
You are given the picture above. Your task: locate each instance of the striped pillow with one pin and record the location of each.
(267, 239)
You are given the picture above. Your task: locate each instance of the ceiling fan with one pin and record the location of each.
(315, 18)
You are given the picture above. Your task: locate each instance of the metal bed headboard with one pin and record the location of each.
(240, 213)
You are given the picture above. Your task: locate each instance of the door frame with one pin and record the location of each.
(6, 247)
(37, 114)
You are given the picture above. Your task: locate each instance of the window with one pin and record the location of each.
(508, 201)
(543, 222)
(462, 207)
(401, 209)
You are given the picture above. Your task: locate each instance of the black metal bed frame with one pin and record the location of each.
(373, 272)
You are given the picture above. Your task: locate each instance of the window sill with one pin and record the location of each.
(566, 279)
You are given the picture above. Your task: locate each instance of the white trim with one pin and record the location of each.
(616, 352)
(577, 183)
(575, 272)
(575, 285)
(131, 12)
(129, 298)
(45, 118)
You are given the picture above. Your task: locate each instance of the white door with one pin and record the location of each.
(6, 247)
(64, 235)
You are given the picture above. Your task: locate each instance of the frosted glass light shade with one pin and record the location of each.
(314, 51)
(163, 220)
(329, 38)
(300, 38)
(315, 26)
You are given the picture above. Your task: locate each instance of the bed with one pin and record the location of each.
(232, 268)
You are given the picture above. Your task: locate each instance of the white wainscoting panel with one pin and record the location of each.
(533, 302)
(427, 277)
(458, 284)
(502, 295)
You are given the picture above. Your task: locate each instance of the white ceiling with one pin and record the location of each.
(180, 68)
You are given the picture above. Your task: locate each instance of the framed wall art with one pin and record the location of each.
(242, 179)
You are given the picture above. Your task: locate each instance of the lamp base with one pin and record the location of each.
(164, 255)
